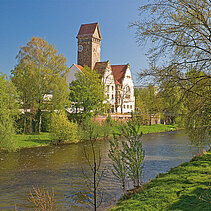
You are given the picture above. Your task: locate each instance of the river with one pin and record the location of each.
(60, 168)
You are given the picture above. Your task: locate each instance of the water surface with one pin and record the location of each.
(60, 168)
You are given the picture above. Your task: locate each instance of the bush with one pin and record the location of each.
(62, 130)
(90, 130)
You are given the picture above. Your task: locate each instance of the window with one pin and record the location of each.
(131, 107)
(108, 96)
(112, 97)
(107, 88)
(127, 92)
(112, 88)
(127, 106)
(124, 106)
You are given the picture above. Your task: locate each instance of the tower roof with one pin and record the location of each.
(89, 29)
(119, 72)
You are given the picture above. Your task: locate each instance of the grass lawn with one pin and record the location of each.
(31, 140)
(179, 189)
(157, 128)
(154, 128)
(43, 139)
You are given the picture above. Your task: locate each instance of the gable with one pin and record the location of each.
(118, 72)
(70, 76)
(127, 77)
(97, 33)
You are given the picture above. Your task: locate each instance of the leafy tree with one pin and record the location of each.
(148, 102)
(173, 107)
(128, 156)
(133, 151)
(86, 93)
(38, 78)
(180, 33)
(119, 163)
(62, 129)
(8, 112)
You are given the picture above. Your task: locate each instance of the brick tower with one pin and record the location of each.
(89, 41)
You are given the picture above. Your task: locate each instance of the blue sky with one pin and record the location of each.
(58, 22)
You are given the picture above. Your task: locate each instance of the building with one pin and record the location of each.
(117, 79)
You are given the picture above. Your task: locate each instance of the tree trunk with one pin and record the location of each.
(150, 119)
(30, 123)
(38, 120)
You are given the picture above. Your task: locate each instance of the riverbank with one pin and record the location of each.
(44, 139)
(186, 187)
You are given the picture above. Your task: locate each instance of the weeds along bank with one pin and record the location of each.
(186, 187)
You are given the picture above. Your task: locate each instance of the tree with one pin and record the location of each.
(149, 102)
(180, 33)
(62, 129)
(94, 196)
(119, 163)
(128, 156)
(86, 93)
(8, 113)
(38, 78)
(133, 151)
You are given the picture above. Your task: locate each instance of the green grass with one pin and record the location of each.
(145, 129)
(44, 139)
(179, 189)
(157, 128)
(33, 140)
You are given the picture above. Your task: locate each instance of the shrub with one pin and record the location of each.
(62, 129)
(89, 130)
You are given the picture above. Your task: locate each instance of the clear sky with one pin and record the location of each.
(58, 22)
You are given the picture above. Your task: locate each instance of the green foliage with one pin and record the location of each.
(119, 163)
(87, 94)
(133, 152)
(128, 156)
(8, 114)
(180, 56)
(46, 121)
(186, 187)
(39, 73)
(89, 130)
(148, 103)
(62, 129)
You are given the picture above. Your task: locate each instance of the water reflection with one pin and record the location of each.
(59, 167)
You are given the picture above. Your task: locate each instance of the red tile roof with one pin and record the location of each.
(87, 29)
(118, 72)
(79, 66)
